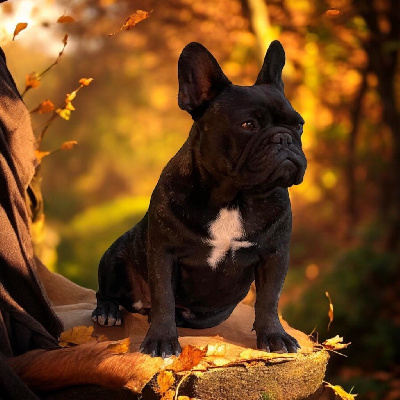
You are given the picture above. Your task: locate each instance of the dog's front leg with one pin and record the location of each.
(162, 337)
(269, 277)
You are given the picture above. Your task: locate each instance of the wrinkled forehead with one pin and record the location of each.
(255, 100)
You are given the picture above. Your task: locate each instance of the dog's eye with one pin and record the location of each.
(299, 128)
(248, 125)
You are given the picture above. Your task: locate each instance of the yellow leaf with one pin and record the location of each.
(132, 20)
(45, 107)
(70, 97)
(330, 312)
(85, 81)
(68, 145)
(69, 107)
(64, 113)
(65, 19)
(120, 346)
(32, 80)
(339, 391)
(41, 154)
(217, 350)
(165, 379)
(335, 343)
(78, 335)
(20, 27)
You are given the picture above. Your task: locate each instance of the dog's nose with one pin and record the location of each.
(282, 138)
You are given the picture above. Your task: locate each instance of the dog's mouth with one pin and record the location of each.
(286, 174)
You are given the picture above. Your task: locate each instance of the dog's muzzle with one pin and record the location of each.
(273, 157)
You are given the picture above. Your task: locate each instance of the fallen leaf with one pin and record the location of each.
(132, 20)
(220, 362)
(165, 379)
(41, 154)
(45, 107)
(330, 312)
(102, 338)
(120, 346)
(335, 343)
(170, 395)
(78, 335)
(339, 391)
(20, 27)
(65, 19)
(64, 113)
(68, 145)
(217, 350)
(85, 81)
(251, 354)
(189, 358)
(32, 80)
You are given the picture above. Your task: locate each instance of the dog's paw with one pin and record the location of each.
(161, 346)
(277, 342)
(107, 313)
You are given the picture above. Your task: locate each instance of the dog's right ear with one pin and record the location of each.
(200, 79)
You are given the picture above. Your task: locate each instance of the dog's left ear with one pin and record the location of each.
(274, 61)
(200, 79)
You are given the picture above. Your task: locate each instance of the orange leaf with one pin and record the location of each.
(41, 154)
(68, 145)
(189, 358)
(32, 80)
(170, 395)
(165, 379)
(132, 20)
(85, 81)
(330, 312)
(78, 335)
(45, 107)
(65, 19)
(65, 39)
(119, 347)
(20, 27)
(332, 12)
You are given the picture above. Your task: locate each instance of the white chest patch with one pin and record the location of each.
(226, 233)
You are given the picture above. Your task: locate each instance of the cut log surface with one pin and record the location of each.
(219, 363)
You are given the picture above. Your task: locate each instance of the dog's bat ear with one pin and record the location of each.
(274, 61)
(200, 79)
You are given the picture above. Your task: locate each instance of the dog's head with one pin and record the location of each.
(249, 134)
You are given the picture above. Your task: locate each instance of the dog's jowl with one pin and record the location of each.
(219, 217)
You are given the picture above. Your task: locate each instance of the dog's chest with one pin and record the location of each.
(226, 235)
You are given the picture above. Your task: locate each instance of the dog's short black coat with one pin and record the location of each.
(219, 217)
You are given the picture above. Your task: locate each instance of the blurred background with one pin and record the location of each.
(342, 74)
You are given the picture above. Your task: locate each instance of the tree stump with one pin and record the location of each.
(238, 371)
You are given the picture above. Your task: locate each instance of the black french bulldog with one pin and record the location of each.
(219, 217)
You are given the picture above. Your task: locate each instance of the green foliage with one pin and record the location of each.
(363, 287)
(89, 234)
